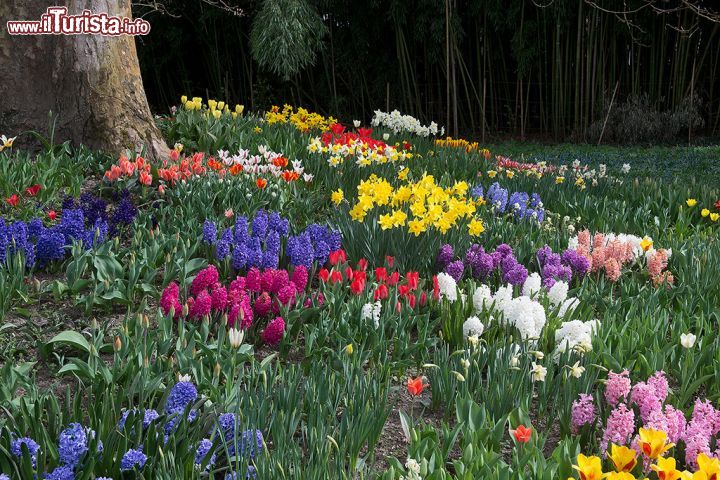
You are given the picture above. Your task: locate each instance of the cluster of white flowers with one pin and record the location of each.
(575, 335)
(447, 286)
(398, 123)
(263, 163)
(413, 470)
(527, 314)
(371, 311)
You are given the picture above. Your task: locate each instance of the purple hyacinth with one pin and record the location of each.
(260, 225)
(73, 444)
(182, 394)
(64, 472)
(579, 263)
(445, 256)
(455, 270)
(32, 446)
(497, 197)
(209, 232)
(516, 276)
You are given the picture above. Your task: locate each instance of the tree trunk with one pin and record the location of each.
(92, 83)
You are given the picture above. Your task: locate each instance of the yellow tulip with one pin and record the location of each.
(709, 466)
(239, 109)
(216, 114)
(183, 99)
(691, 202)
(619, 476)
(623, 458)
(653, 443)
(589, 468)
(212, 104)
(666, 469)
(714, 216)
(705, 212)
(349, 349)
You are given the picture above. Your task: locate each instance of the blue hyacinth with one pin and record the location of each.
(133, 459)
(73, 444)
(32, 446)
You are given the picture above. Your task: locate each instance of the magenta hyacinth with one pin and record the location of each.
(274, 331)
(201, 306)
(204, 279)
(300, 277)
(263, 304)
(252, 280)
(219, 297)
(170, 298)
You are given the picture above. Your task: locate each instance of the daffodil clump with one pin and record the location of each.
(365, 153)
(418, 206)
(301, 118)
(213, 108)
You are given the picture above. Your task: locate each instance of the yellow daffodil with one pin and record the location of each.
(653, 443)
(385, 221)
(509, 173)
(491, 173)
(714, 216)
(705, 212)
(475, 227)
(589, 468)
(402, 174)
(349, 349)
(337, 196)
(559, 179)
(257, 129)
(709, 466)
(691, 202)
(646, 243)
(666, 469)
(623, 458)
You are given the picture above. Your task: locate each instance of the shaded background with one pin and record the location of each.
(516, 68)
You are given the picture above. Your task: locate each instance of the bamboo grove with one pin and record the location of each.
(483, 67)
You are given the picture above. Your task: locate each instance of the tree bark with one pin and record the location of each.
(92, 83)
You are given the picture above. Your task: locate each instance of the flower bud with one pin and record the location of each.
(118, 344)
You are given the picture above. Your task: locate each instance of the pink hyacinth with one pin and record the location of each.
(659, 384)
(219, 297)
(583, 412)
(612, 269)
(703, 425)
(676, 423)
(252, 280)
(263, 304)
(657, 262)
(584, 239)
(619, 428)
(204, 279)
(300, 277)
(201, 306)
(617, 387)
(170, 298)
(274, 331)
(643, 395)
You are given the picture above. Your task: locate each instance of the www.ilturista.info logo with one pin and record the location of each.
(56, 21)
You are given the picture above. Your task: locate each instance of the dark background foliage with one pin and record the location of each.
(517, 68)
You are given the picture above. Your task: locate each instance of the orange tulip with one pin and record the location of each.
(415, 386)
(261, 183)
(521, 434)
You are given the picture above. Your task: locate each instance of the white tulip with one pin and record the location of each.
(236, 337)
(687, 340)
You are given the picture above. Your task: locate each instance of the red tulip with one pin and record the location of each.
(34, 190)
(359, 275)
(423, 299)
(324, 274)
(380, 274)
(52, 214)
(398, 307)
(349, 273)
(337, 129)
(717, 205)
(338, 256)
(364, 132)
(362, 264)
(415, 386)
(357, 286)
(411, 300)
(13, 200)
(393, 279)
(521, 434)
(335, 277)
(403, 290)
(390, 261)
(436, 288)
(381, 292)
(413, 278)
